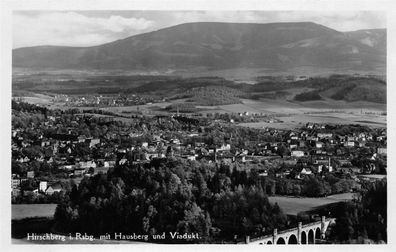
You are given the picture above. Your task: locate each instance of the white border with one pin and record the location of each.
(6, 8)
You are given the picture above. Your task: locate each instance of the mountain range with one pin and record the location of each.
(209, 45)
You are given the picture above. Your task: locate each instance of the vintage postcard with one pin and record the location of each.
(153, 125)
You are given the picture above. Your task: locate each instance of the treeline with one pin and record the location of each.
(341, 129)
(363, 220)
(368, 93)
(85, 85)
(270, 95)
(55, 198)
(170, 195)
(339, 87)
(21, 106)
(180, 84)
(309, 186)
(341, 94)
(308, 96)
(182, 108)
(214, 95)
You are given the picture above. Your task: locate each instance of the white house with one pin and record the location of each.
(319, 145)
(190, 157)
(94, 142)
(225, 147)
(30, 174)
(87, 164)
(263, 173)
(54, 188)
(297, 153)
(15, 181)
(325, 135)
(43, 186)
(305, 171)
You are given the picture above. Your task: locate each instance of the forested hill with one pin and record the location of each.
(218, 91)
(208, 45)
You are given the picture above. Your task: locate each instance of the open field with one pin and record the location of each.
(373, 176)
(267, 106)
(22, 211)
(39, 99)
(298, 120)
(273, 106)
(294, 205)
(135, 108)
(341, 196)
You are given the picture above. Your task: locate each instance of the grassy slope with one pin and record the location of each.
(294, 205)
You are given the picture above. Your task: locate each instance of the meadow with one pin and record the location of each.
(295, 205)
(22, 211)
(298, 120)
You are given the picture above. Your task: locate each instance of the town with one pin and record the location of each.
(104, 101)
(51, 149)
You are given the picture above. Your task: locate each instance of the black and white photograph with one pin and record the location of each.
(197, 126)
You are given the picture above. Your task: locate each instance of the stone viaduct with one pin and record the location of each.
(303, 234)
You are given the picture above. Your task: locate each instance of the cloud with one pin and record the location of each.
(219, 16)
(73, 29)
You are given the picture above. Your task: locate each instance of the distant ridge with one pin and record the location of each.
(209, 45)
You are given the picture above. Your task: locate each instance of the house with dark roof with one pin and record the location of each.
(56, 187)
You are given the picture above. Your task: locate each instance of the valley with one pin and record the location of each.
(230, 131)
(272, 101)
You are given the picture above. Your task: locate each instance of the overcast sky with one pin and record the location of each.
(88, 28)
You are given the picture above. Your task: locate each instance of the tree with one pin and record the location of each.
(296, 189)
(173, 183)
(365, 217)
(195, 220)
(282, 151)
(147, 221)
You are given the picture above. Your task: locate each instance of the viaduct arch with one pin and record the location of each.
(303, 234)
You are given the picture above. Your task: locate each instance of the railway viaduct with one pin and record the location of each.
(303, 234)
